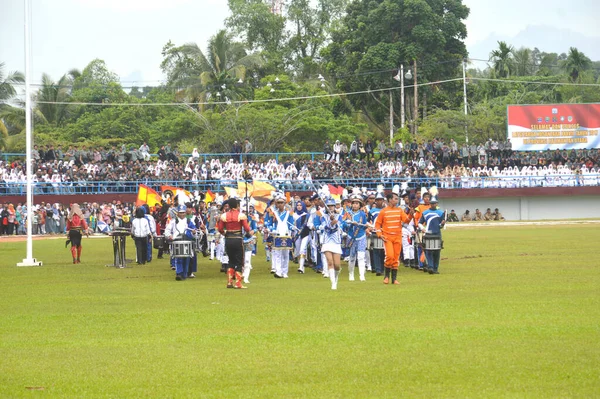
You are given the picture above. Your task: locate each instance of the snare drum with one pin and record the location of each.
(376, 242)
(182, 249)
(282, 242)
(158, 242)
(433, 242)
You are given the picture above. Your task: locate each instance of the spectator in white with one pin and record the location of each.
(195, 154)
(336, 151)
(453, 146)
(145, 151)
(353, 149)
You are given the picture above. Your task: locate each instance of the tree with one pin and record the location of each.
(308, 23)
(523, 62)
(7, 93)
(502, 59)
(376, 36)
(51, 94)
(576, 63)
(213, 75)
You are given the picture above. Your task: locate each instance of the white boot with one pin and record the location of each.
(301, 264)
(351, 263)
(361, 266)
(333, 278)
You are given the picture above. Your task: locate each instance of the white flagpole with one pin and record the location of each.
(29, 260)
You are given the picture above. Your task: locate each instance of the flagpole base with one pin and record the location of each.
(30, 262)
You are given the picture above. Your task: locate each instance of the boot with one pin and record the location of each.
(230, 274)
(74, 253)
(238, 281)
(79, 254)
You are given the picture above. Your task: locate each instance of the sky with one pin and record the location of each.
(129, 34)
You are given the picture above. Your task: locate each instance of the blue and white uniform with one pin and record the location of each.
(249, 245)
(357, 233)
(179, 229)
(377, 255)
(281, 223)
(301, 233)
(432, 221)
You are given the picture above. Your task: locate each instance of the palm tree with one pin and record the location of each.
(214, 74)
(502, 59)
(51, 93)
(7, 92)
(523, 61)
(576, 63)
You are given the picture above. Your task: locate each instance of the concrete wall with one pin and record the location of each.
(530, 207)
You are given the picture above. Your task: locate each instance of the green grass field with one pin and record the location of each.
(515, 313)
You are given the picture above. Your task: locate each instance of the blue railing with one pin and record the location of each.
(130, 187)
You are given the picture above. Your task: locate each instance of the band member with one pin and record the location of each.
(212, 218)
(280, 225)
(140, 231)
(431, 223)
(377, 255)
(152, 225)
(302, 232)
(230, 225)
(180, 229)
(75, 226)
(331, 225)
(356, 228)
(249, 244)
(389, 227)
(417, 216)
(408, 231)
(220, 252)
(161, 213)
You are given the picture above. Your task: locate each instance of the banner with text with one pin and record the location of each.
(550, 127)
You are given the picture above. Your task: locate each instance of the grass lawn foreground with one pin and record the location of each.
(515, 313)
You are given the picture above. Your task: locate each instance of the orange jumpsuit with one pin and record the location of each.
(389, 226)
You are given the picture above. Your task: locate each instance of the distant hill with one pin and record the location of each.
(548, 39)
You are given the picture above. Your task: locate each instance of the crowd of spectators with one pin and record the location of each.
(447, 165)
(50, 219)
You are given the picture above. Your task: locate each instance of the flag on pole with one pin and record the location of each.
(231, 192)
(209, 197)
(335, 192)
(262, 189)
(147, 195)
(241, 188)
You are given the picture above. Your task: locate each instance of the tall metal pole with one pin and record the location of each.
(391, 120)
(402, 115)
(29, 260)
(416, 113)
(464, 65)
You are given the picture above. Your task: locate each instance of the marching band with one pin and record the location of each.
(369, 230)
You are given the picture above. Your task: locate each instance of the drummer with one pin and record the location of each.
(377, 254)
(180, 229)
(431, 223)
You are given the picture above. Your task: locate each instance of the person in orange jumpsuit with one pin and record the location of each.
(388, 226)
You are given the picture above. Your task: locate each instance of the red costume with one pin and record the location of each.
(230, 224)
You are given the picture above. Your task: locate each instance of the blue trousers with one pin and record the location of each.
(433, 259)
(377, 257)
(182, 266)
(149, 253)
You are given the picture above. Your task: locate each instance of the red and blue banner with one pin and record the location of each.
(551, 127)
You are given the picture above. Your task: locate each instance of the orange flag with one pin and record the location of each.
(262, 189)
(209, 197)
(146, 195)
(241, 188)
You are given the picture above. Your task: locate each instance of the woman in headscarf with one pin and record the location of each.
(302, 231)
(76, 225)
(12, 218)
